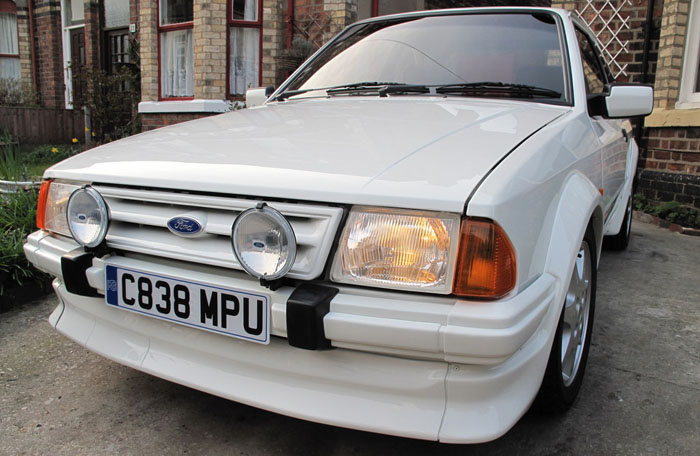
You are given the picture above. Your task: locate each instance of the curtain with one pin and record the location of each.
(9, 66)
(176, 64)
(8, 33)
(245, 59)
(245, 10)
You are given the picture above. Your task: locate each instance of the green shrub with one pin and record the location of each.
(17, 220)
(48, 154)
(672, 211)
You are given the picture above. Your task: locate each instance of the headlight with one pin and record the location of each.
(407, 250)
(264, 242)
(53, 200)
(87, 217)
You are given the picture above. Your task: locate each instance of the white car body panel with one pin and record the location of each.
(417, 365)
(414, 153)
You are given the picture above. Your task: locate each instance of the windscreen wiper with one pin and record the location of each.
(339, 89)
(523, 90)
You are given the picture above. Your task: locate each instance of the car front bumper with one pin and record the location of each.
(415, 366)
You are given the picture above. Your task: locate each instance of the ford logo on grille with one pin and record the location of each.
(184, 226)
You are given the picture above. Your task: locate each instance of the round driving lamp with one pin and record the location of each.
(264, 242)
(87, 217)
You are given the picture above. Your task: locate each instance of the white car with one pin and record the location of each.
(403, 238)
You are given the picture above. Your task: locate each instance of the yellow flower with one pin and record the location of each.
(54, 150)
(75, 140)
(93, 134)
(87, 129)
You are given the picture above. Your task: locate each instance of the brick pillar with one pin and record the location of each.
(94, 19)
(210, 37)
(148, 36)
(49, 53)
(25, 53)
(134, 14)
(273, 37)
(341, 13)
(671, 47)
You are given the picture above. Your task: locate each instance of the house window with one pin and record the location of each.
(9, 49)
(245, 43)
(689, 96)
(176, 49)
(117, 49)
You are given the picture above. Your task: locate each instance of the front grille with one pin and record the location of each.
(138, 223)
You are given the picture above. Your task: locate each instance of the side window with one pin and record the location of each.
(592, 71)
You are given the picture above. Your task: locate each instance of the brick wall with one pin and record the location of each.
(668, 77)
(153, 121)
(670, 169)
(148, 48)
(273, 38)
(49, 53)
(94, 22)
(210, 35)
(25, 53)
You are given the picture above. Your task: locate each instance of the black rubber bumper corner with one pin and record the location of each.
(306, 307)
(73, 267)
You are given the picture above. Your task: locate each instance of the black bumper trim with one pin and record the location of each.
(306, 307)
(73, 267)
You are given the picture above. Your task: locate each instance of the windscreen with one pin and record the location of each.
(511, 48)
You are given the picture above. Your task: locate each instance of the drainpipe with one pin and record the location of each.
(645, 61)
(31, 47)
(290, 23)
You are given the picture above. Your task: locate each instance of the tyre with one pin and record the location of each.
(622, 239)
(572, 340)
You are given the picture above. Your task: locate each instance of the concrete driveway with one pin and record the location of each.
(641, 394)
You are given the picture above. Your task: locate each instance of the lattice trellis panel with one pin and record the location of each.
(607, 20)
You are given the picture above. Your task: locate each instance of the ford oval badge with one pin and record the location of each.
(184, 226)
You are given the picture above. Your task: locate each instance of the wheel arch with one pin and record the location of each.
(580, 204)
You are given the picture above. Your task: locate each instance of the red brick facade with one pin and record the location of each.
(153, 121)
(670, 169)
(49, 53)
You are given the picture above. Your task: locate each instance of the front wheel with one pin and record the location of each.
(572, 340)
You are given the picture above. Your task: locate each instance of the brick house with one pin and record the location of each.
(225, 46)
(197, 57)
(54, 36)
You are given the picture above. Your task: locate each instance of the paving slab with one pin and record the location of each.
(641, 394)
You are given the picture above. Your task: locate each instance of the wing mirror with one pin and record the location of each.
(622, 101)
(257, 96)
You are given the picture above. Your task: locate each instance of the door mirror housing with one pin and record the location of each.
(256, 96)
(623, 101)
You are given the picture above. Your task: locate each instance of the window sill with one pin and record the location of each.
(179, 106)
(673, 118)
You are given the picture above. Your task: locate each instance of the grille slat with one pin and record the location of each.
(139, 224)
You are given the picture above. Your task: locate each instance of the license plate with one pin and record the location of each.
(221, 310)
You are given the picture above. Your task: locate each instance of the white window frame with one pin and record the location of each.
(688, 98)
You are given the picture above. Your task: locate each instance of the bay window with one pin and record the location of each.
(176, 49)
(9, 48)
(245, 30)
